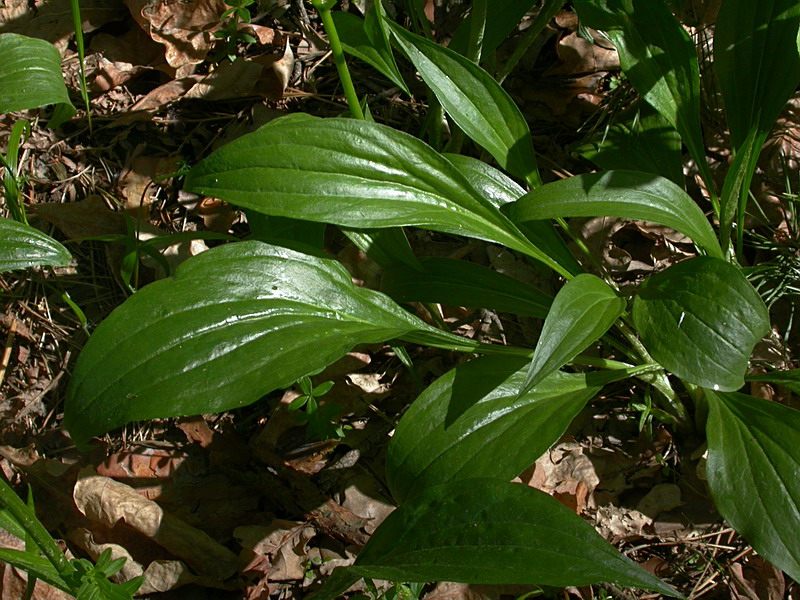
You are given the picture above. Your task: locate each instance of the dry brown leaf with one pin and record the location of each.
(107, 501)
(88, 218)
(580, 56)
(662, 498)
(757, 579)
(283, 545)
(617, 524)
(157, 100)
(566, 473)
(362, 496)
(185, 28)
(46, 18)
(137, 177)
(235, 79)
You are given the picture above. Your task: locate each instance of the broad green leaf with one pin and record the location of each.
(473, 422)
(756, 61)
(788, 379)
(31, 76)
(582, 311)
(499, 189)
(363, 39)
(22, 246)
(493, 532)
(701, 319)
(622, 194)
(475, 101)
(35, 565)
(463, 283)
(659, 59)
(753, 470)
(352, 173)
(387, 247)
(640, 140)
(233, 324)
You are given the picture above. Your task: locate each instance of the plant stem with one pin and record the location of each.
(324, 9)
(77, 23)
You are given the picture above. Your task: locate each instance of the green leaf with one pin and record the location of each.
(364, 39)
(701, 319)
(788, 379)
(499, 189)
(475, 101)
(753, 465)
(622, 194)
(233, 324)
(463, 283)
(11, 525)
(659, 59)
(640, 140)
(501, 19)
(352, 173)
(35, 565)
(756, 61)
(22, 246)
(473, 422)
(387, 247)
(582, 311)
(487, 531)
(31, 76)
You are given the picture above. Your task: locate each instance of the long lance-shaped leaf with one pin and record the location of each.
(368, 40)
(501, 19)
(623, 194)
(499, 189)
(701, 319)
(788, 379)
(463, 283)
(472, 422)
(581, 312)
(659, 59)
(754, 473)
(31, 76)
(494, 532)
(233, 324)
(352, 173)
(22, 246)
(756, 61)
(475, 101)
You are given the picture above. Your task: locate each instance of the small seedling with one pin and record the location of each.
(235, 15)
(320, 420)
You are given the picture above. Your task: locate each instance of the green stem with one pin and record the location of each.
(77, 24)
(324, 9)
(27, 519)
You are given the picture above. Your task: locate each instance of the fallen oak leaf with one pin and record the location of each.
(107, 501)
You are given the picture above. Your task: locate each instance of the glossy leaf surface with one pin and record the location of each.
(463, 283)
(583, 310)
(622, 194)
(700, 319)
(472, 422)
(753, 470)
(352, 173)
(499, 189)
(658, 58)
(38, 566)
(233, 324)
(494, 532)
(364, 39)
(475, 101)
(788, 379)
(640, 140)
(31, 75)
(22, 246)
(756, 61)
(501, 19)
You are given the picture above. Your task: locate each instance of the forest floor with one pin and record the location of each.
(257, 509)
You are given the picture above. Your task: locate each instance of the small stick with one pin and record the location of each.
(7, 352)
